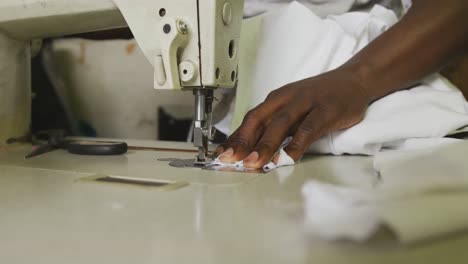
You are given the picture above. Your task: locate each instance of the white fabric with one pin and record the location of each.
(323, 8)
(283, 160)
(418, 194)
(320, 7)
(430, 110)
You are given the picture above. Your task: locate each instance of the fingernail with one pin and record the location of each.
(227, 155)
(252, 158)
(276, 159)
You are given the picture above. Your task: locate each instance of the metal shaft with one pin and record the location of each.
(202, 122)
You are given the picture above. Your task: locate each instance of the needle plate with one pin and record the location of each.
(190, 163)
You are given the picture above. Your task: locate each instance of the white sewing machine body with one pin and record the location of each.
(210, 35)
(198, 44)
(192, 46)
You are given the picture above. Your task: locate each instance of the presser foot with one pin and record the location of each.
(189, 163)
(207, 165)
(202, 156)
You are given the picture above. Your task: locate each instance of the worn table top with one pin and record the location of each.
(51, 211)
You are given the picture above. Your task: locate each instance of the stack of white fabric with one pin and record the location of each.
(404, 130)
(314, 46)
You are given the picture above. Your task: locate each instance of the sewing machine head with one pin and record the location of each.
(198, 51)
(192, 45)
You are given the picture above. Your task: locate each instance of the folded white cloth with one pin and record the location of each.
(431, 110)
(283, 160)
(418, 194)
(315, 45)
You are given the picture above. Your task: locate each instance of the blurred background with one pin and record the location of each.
(101, 85)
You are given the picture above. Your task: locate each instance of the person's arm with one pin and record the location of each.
(430, 35)
(427, 38)
(457, 73)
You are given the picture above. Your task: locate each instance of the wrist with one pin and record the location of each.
(362, 76)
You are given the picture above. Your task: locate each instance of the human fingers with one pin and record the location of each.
(274, 135)
(315, 125)
(241, 142)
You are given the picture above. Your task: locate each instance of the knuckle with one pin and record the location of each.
(230, 138)
(252, 115)
(273, 94)
(224, 145)
(324, 109)
(253, 119)
(283, 118)
(239, 141)
(306, 129)
(267, 146)
(295, 146)
(327, 113)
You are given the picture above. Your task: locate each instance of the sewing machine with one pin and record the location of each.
(198, 48)
(193, 47)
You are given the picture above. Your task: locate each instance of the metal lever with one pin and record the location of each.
(175, 37)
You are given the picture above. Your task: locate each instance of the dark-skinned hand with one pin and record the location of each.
(306, 110)
(336, 100)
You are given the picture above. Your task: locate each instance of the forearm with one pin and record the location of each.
(430, 35)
